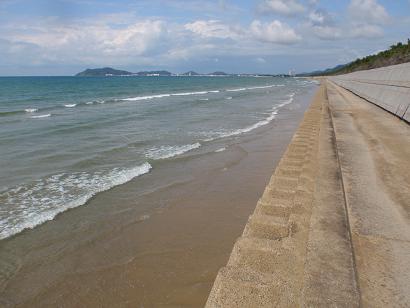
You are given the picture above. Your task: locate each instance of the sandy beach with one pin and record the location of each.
(158, 243)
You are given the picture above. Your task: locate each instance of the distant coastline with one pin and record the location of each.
(109, 72)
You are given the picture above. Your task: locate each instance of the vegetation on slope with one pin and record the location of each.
(396, 54)
(399, 53)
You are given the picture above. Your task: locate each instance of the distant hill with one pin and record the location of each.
(328, 71)
(108, 71)
(396, 54)
(100, 72)
(218, 74)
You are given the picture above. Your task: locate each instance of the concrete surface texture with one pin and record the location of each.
(387, 87)
(332, 228)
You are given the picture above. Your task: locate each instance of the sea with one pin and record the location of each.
(65, 139)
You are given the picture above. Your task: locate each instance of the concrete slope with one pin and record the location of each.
(332, 228)
(279, 261)
(388, 87)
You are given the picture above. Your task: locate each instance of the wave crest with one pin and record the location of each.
(40, 201)
(169, 151)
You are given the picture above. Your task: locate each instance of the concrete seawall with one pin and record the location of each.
(332, 228)
(387, 87)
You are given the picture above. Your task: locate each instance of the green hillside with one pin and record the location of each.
(396, 54)
(399, 53)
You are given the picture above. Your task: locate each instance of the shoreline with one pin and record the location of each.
(131, 245)
(332, 227)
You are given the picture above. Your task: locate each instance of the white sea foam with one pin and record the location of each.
(229, 97)
(70, 105)
(255, 88)
(237, 90)
(30, 110)
(190, 93)
(140, 98)
(169, 151)
(204, 99)
(89, 103)
(27, 206)
(220, 150)
(41, 116)
(272, 115)
(149, 97)
(261, 87)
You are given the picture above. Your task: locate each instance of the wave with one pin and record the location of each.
(254, 88)
(169, 151)
(190, 93)
(229, 97)
(220, 150)
(247, 129)
(10, 113)
(137, 98)
(41, 116)
(148, 97)
(41, 201)
(265, 87)
(140, 98)
(236, 90)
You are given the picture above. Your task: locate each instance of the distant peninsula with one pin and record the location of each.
(109, 71)
(101, 72)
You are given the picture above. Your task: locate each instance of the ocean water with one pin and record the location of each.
(65, 139)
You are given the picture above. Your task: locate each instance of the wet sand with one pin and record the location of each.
(158, 241)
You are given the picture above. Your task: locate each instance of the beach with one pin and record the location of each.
(155, 241)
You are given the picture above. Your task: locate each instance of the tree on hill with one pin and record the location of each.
(396, 54)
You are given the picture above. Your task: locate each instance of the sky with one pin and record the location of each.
(63, 37)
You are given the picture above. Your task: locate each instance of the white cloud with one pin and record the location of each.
(88, 42)
(316, 17)
(282, 7)
(212, 29)
(323, 26)
(260, 60)
(366, 31)
(320, 17)
(313, 2)
(364, 20)
(274, 32)
(368, 11)
(327, 32)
